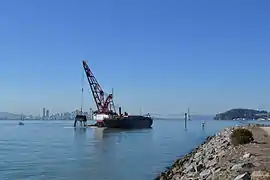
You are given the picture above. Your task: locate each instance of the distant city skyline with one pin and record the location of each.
(159, 56)
(71, 116)
(45, 115)
(43, 111)
(48, 113)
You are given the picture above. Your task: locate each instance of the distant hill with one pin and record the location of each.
(241, 113)
(6, 115)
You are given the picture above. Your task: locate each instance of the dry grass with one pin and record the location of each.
(241, 136)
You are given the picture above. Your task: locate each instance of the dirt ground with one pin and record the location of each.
(260, 149)
(259, 154)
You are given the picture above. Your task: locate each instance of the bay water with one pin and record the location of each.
(55, 150)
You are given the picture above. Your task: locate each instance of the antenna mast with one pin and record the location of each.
(188, 114)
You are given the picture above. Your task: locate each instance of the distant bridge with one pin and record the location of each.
(179, 116)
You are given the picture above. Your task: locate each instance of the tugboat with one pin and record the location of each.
(106, 115)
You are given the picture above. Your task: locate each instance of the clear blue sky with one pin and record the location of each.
(162, 56)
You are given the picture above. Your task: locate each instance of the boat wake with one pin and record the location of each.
(69, 127)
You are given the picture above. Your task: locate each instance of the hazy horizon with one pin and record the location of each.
(152, 114)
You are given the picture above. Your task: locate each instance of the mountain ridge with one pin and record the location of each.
(7, 115)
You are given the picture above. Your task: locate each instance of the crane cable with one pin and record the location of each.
(82, 93)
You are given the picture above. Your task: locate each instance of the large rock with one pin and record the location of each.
(199, 167)
(190, 168)
(247, 155)
(215, 159)
(244, 176)
(206, 173)
(240, 166)
(260, 175)
(211, 163)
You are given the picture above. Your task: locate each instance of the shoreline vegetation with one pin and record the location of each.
(235, 153)
(242, 114)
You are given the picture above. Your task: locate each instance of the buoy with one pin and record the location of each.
(20, 123)
(203, 124)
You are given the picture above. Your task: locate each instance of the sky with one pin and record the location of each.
(160, 56)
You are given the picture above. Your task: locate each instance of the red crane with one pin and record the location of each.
(104, 102)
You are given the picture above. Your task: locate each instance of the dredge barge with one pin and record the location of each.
(106, 115)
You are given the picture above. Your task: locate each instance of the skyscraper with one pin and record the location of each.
(43, 113)
(47, 113)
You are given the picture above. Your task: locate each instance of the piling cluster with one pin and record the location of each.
(217, 158)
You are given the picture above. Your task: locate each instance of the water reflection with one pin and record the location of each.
(118, 135)
(80, 130)
(107, 135)
(96, 153)
(80, 134)
(98, 133)
(114, 135)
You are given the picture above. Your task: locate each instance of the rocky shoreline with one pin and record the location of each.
(218, 158)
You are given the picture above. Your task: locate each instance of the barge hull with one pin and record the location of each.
(129, 122)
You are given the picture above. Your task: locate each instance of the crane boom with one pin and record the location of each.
(101, 100)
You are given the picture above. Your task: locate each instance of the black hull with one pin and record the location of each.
(130, 122)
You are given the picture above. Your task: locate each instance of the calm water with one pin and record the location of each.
(55, 150)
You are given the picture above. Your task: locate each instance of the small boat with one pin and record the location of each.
(21, 123)
(22, 119)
